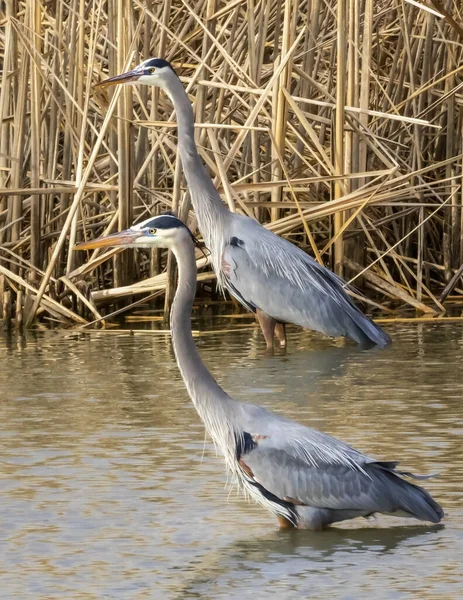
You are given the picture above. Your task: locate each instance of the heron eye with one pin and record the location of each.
(152, 70)
(152, 231)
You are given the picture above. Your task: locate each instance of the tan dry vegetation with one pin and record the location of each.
(338, 125)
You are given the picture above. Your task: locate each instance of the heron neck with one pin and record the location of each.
(211, 402)
(206, 201)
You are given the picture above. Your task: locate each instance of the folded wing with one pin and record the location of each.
(265, 271)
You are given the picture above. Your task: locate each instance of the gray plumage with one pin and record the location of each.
(306, 478)
(266, 273)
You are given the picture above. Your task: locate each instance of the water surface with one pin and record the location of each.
(109, 490)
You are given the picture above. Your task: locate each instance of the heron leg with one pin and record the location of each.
(280, 334)
(267, 324)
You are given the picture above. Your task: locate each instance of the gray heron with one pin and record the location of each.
(306, 478)
(267, 274)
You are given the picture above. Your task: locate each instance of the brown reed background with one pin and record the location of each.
(338, 125)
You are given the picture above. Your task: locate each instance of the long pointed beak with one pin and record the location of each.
(128, 77)
(121, 239)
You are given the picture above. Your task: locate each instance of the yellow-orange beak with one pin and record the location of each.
(121, 239)
(128, 77)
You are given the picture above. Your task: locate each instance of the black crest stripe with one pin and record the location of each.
(164, 222)
(158, 63)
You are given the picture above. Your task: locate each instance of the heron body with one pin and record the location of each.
(267, 274)
(307, 479)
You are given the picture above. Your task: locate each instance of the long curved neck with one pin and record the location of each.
(206, 201)
(214, 406)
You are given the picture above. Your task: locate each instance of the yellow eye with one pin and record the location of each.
(152, 70)
(152, 231)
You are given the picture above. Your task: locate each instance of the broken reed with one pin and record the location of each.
(337, 124)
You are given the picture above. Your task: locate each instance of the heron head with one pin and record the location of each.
(163, 231)
(154, 71)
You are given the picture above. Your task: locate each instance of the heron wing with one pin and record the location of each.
(279, 297)
(264, 271)
(275, 256)
(320, 472)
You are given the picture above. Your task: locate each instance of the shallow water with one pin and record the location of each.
(106, 491)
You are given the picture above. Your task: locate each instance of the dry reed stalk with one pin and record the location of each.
(125, 157)
(431, 320)
(34, 13)
(363, 98)
(338, 140)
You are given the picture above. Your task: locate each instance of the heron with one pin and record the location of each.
(306, 478)
(268, 275)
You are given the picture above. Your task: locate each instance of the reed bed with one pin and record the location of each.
(337, 125)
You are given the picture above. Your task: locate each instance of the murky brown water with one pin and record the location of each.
(105, 493)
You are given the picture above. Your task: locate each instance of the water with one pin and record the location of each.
(105, 492)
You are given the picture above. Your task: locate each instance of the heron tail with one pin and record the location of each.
(362, 330)
(414, 500)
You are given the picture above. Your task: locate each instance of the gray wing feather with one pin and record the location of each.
(327, 485)
(295, 462)
(267, 272)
